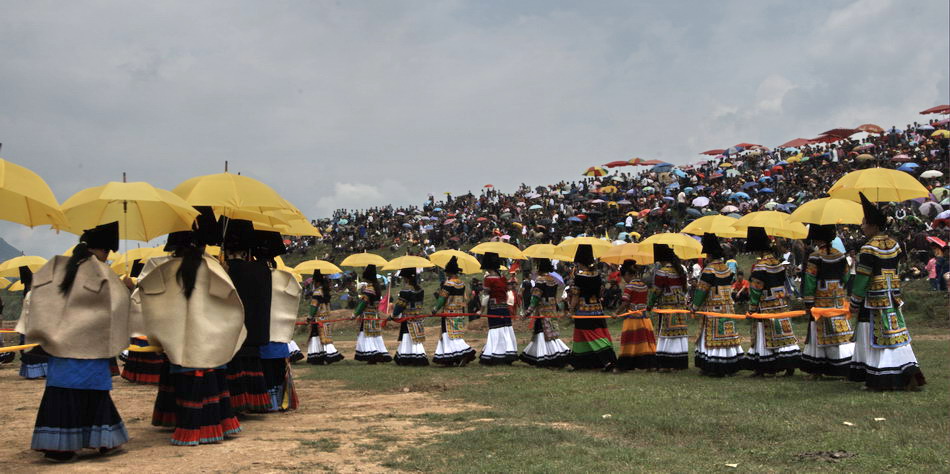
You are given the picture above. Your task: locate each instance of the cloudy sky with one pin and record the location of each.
(359, 103)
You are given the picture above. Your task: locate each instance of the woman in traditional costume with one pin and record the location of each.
(192, 311)
(501, 346)
(774, 345)
(370, 347)
(637, 339)
(139, 366)
(546, 348)
(718, 350)
(320, 348)
(411, 332)
(829, 346)
(883, 357)
(668, 291)
(33, 363)
(592, 347)
(284, 303)
(452, 350)
(78, 313)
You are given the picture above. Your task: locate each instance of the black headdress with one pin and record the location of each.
(26, 277)
(407, 272)
(179, 240)
(239, 235)
(663, 253)
(136, 269)
(711, 246)
(207, 228)
(584, 255)
(369, 273)
(490, 261)
(544, 265)
(872, 214)
(627, 267)
(453, 266)
(757, 240)
(105, 236)
(268, 244)
(822, 233)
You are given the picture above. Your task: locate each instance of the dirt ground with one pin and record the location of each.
(335, 430)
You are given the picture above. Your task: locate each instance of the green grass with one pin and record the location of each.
(326, 445)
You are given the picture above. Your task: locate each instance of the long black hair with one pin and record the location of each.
(80, 254)
(325, 284)
(188, 270)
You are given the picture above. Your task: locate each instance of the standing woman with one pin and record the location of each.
(79, 314)
(669, 292)
(637, 340)
(592, 347)
(774, 345)
(452, 350)
(320, 348)
(141, 367)
(546, 348)
(501, 347)
(828, 347)
(883, 358)
(370, 347)
(718, 349)
(411, 332)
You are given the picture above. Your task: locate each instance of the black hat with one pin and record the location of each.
(407, 272)
(105, 236)
(872, 214)
(627, 267)
(490, 261)
(239, 235)
(369, 273)
(544, 265)
(207, 228)
(663, 253)
(26, 277)
(711, 245)
(268, 244)
(757, 240)
(453, 266)
(136, 269)
(584, 255)
(823, 233)
(178, 240)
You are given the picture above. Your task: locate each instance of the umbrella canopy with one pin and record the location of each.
(720, 225)
(595, 171)
(466, 262)
(11, 268)
(684, 246)
(4, 283)
(363, 259)
(930, 208)
(701, 201)
(870, 128)
(941, 134)
(504, 250)
(228, 191)
(121, 264)
(826, 211)
(729, 208)
(615, 164)
(550, 251)
(739, 195)
(775, 223)
(569, 247)
(621, 253)
(408, 261)
(27, 199)
(939, 109)
(310, 266)
(879, 185)
(908, 167)
(941, 193)
(931, 174)
(142, 210)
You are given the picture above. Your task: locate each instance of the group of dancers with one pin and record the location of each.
(216, 335)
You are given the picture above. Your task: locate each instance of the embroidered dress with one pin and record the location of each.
(718, 349)
(320, 348)
(501, 346)
(369, 342)
(452, 348)
(546, 348)
(195, 402)
(774, 345)
(829, 345)
(637, 339)
(76, 411)
(142, 367)
(412, 332)
(669, 292)
(592, 347)
(883, 357)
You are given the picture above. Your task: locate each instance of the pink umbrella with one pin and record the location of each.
(449, 221)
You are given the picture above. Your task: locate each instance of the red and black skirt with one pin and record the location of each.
(197, 404)
(142, 367)
(246, 382)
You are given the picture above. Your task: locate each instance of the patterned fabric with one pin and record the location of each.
(586, 287)
(767, 294)
(453, 290)
(635, 293)
(371, 327)
(669, 292)
(823, 287)
(714, 294)
(497, 289)
(544, 303)
(876, 293)
(409, 304)
(320, 311)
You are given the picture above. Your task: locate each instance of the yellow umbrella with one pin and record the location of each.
(608, 189)
(27, 199)
(213, 250)
(878, 185)
(408, 261)
(311, 266)
(715, 224)
(125, 260)
(18, 286)
(227, 191)
(142, 210)
(466, 262)
(11, 267)
(826, 211)
(283, 266)
(776, 224)
(794, 159)
(504, 250)
(599, 246)
(110, 258)
(549, 251)
(613, 204)
(296, 223)
(725, 165)
(363, 259)
(940, 134)
(4, 283)
(864, 157)
(683, 246)
(621, 253)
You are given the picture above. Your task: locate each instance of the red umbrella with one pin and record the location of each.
(748, 145)
(652, 162)
(940, 109)
(796, 143)
(615, 164)
(481, 219)
(635, 161)
(717, 151)
(489, 186)
(937, 241)
(841, 132)
(595, 171)
(870, 128)
(825, 139)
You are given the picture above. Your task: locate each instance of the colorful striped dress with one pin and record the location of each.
(320, 348)
(412, 333)
(369, 341)
(452, 348)
(829, 346)
(501, 346)
(774, 345)
(718, 350)
(546, 348)
(592, 347)
(637, 339)
(669, 292)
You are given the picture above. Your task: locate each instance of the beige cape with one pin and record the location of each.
(284, 304)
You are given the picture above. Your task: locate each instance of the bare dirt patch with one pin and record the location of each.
(335, 430)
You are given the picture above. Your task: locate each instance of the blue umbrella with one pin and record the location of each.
(766, 190)
(438, 209)
(574, 219)
(534, 207)
(781, 163)
(693, 212)
(680, 173)
(791, 150)
(673, 186)
(765, 179)
(700, 187)
(619, 224)
(662, 167)
(668, 198)
(739, 195)
(428, 227)
(688, 190)
(908, 167)
(748, 185)
(407, 225)
(343, 222)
